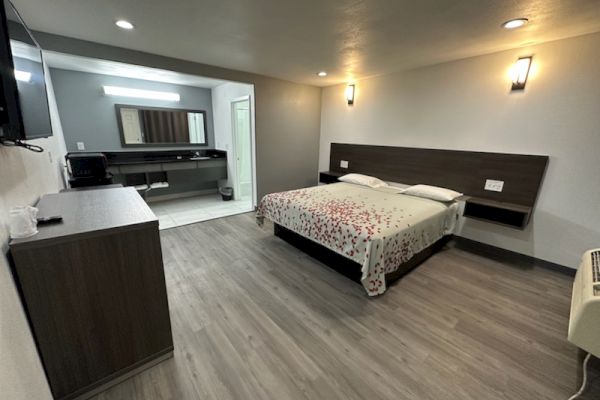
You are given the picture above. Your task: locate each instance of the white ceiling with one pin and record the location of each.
(294, 39)
(95, 66)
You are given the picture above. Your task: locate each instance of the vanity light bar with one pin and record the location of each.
(140, 94)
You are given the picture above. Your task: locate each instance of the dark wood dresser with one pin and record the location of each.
(93, 287)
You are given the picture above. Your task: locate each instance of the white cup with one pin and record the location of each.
(23, 222)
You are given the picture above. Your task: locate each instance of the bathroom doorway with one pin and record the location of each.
(242, 147)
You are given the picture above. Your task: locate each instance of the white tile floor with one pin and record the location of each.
(189, 210)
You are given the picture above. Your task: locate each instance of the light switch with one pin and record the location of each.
(493, 185)
(343, 164)
(80, 146)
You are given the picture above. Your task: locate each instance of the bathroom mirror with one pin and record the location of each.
(148, 126)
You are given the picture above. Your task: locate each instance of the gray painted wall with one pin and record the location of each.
(88, 116)
(288, 115)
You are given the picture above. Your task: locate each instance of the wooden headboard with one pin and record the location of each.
(464, 171)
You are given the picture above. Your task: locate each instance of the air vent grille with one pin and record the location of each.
(596, 265)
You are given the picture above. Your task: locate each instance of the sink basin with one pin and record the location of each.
(199, 158)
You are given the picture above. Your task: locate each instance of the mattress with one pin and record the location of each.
(378, 228)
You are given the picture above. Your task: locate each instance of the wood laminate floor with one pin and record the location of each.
(255, 318)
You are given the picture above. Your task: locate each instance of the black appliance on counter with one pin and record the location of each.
(87, 169)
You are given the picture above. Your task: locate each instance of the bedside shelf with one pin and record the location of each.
(329, 177)
(497, 212)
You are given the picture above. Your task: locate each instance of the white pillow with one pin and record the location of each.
(364, 180)
(397, 185)
(432, 192)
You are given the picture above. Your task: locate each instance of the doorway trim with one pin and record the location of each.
(250, 100)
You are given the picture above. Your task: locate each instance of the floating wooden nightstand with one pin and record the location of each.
(507, 214)
(329, 177)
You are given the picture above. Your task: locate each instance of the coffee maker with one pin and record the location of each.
(87, 169)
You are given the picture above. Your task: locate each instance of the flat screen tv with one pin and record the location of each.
(24, 112)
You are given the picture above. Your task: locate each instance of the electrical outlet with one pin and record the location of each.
(343, 164)
(494, 186)
(80, 146)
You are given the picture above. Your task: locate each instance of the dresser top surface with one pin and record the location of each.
(89, 211)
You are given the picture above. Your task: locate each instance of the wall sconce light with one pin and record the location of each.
(350, 94)
(520, 72)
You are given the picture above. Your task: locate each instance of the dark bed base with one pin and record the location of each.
(345, 266)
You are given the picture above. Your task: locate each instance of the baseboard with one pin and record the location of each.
(173, 196)
(122, 375)
(508, 256)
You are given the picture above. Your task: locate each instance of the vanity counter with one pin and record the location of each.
(131, 162)
(169, 174)
(157, 157)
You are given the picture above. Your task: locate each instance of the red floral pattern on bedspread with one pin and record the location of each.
(371, 228)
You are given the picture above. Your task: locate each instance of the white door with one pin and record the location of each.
(242, 147)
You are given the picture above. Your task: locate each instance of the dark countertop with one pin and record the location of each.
(160, 161)
(115, 158)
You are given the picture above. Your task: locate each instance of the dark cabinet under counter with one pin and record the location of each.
(175, 172)
(93, 288)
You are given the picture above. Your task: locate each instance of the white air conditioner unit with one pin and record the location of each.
(584, 323)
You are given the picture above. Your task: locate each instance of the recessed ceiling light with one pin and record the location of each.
(515, 23)
(322, 73)
(124, 24)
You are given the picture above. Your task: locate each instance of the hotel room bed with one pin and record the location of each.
(378, 228)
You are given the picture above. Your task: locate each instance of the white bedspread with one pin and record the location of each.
(377, 228)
